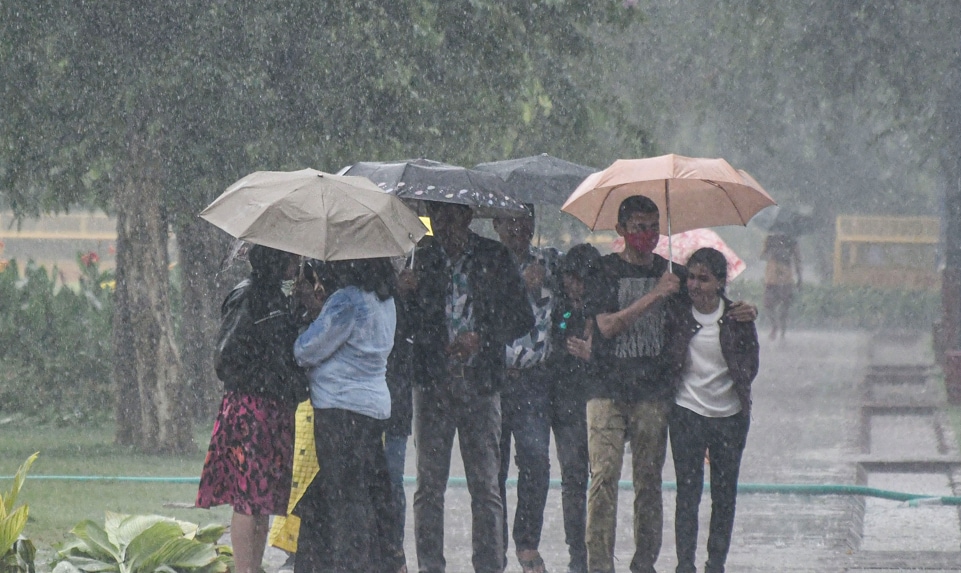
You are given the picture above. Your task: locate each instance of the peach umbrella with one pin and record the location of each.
(691, 193)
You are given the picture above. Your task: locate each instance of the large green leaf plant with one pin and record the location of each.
(143, 544)
(17, 554)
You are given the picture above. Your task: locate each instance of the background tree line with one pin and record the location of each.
(149, 110)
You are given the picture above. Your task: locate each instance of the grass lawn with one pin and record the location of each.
(57, 505)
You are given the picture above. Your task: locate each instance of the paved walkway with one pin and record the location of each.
(809, 427)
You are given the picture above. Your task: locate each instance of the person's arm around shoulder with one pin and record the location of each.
(328, 332)
(613, 324)
(741, 311)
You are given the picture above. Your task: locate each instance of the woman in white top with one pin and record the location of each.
(714, 360)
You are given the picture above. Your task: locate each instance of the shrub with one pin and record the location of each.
(143, 544)
(55, 345)
(827, 306)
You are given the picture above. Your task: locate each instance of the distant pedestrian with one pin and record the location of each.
(714, 359)
(469, 303)
(782, 278)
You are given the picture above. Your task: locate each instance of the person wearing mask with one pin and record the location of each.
(714, 360)
(249, 460)
(468, 303)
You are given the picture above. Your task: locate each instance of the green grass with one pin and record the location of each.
(56, 505)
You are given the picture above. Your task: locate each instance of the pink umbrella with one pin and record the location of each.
(684, 244)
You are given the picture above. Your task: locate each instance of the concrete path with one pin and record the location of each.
(817, 419)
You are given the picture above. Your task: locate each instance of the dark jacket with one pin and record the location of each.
(501, 311)
(255, 354)
(739, 345)
(399, 374)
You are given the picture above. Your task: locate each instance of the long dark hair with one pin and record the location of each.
(267, 272)
(370, 275)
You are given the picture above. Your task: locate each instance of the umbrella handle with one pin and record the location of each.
(667, 205)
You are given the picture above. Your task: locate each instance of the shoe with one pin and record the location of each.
(288, 566)
(533, 565)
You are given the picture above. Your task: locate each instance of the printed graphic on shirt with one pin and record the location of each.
(646, 336)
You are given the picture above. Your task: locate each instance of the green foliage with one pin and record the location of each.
(826, 306)
(55, 343)
(16, 553)
(143, 544)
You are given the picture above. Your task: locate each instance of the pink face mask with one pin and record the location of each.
(643, 242)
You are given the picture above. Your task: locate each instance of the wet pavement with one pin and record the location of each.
(829, 408)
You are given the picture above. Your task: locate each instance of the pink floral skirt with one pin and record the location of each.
(249, 461)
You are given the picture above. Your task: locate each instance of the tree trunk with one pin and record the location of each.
(201, 246)
(151, 410)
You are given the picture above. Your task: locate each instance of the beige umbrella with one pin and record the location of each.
(316, 214)
(690, 192)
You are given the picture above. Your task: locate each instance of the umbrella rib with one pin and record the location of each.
(740, 216)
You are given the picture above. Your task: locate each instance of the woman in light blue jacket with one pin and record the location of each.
(345, 512)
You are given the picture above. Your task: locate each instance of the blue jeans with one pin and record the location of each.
(525, 407)
(395, 448)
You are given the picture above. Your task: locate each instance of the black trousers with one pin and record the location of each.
(347, 513)
(723, 439)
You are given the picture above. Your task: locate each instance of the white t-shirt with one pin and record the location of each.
(706, 385)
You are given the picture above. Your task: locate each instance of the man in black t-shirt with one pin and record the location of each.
(631, 398)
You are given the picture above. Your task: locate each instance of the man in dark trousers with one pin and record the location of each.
(469, 302)
(525, 401)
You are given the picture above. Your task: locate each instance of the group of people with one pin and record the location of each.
(500, 343)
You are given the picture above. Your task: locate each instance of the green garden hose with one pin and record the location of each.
(911, 499)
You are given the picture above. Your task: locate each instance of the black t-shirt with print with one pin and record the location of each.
(630, 365)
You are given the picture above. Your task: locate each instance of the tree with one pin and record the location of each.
(152, 110)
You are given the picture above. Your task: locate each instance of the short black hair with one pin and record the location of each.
(635, 204)
(582, 260)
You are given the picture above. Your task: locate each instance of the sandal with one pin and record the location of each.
(533, 565)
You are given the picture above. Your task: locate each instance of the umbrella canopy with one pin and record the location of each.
(427, 180)
(316, 214)
(690, 193)
(541, 179)
(681, 246)
(785, 220)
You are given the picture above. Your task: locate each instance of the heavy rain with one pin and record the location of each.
(839, 124)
